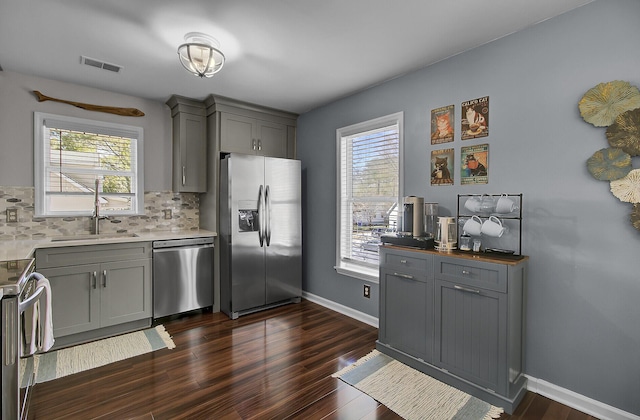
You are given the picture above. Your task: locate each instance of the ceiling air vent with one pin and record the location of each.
(100, 64)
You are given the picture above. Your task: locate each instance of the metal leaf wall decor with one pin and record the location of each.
(616, 105)
(624, 133)
(604, 102)
(609, 164)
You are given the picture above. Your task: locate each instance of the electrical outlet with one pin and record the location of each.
(167, 213)
(12, 215)
(367, 291)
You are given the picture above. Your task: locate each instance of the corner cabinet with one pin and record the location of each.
(98, 290)
(458, 317)
(251, 129)
(189, 144)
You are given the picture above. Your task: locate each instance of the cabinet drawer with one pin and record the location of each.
(479, 274)
(407, 262)
(88, 254)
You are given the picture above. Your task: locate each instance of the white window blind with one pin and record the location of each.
(72, 153)
(369, 189)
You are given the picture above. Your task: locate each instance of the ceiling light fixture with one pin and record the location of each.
(200, 54)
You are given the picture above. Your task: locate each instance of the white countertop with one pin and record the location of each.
(16, 250)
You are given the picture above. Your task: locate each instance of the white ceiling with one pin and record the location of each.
(293, 55)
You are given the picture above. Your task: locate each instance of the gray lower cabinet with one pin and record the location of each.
(98, 290)
(406, 304)
(469, 314)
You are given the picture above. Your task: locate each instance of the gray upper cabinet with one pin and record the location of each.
(189, 144)
(456, 318)
(251, 129)
(246, 135)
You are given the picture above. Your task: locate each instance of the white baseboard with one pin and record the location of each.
(579, 402)
(539, 386)
(345, 310)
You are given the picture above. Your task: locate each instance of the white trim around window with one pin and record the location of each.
(346, 264)
(131, 139)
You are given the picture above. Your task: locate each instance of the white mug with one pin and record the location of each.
(473, 203)
(473, 226)
(505, 204)
(493, 227)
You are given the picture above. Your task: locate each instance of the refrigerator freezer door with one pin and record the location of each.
(283, 229)
(246, 175)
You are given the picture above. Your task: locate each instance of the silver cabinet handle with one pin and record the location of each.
(403, 261)
(104, 278)
(94, 283)
(404, 276)
(259, 144)
(464, 289)
(253, 144)
(184, 175)
(466, 272)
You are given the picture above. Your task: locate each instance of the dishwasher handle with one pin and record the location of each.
(181, 248)
(174, 243)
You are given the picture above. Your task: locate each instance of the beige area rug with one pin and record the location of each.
(63, 362)
(410, 393)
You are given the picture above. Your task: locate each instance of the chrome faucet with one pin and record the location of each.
(95, 217)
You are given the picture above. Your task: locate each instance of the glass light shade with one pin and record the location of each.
(200, 55)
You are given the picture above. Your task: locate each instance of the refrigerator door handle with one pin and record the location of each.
(261, 217)
(267, 199)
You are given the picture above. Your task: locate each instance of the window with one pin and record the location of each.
(369, 185)
(72, 153)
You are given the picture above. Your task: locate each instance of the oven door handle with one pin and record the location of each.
(22, 306)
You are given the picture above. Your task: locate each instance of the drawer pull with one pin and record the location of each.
(404, 276)
(464, 289)
(94, 283)
(403, 261)
(466, 272)
(104, 278)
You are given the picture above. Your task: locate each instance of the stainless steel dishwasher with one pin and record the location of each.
(182, 275)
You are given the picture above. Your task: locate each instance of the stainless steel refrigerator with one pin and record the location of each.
(260, 233)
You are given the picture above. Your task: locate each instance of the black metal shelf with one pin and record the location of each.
(513, 220)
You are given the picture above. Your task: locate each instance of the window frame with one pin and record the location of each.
(362, 270)
(87, 125)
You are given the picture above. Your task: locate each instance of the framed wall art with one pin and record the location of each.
(474, 163)
(442, 122)
(442, 167)
(475, 118)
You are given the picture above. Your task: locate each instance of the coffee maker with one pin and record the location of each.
(412, 218)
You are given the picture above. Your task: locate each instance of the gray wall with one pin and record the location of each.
(17, 104)
(583, 329)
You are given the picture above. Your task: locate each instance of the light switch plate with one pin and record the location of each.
(12, 215)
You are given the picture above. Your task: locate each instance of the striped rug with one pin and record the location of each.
(412, 394)
(67, 361)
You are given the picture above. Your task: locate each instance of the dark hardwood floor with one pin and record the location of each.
(275, 364)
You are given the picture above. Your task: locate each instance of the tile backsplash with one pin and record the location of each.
(164, 211)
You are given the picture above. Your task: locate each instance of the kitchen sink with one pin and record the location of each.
(93, 237)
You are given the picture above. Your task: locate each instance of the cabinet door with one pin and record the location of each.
(406, 309)
(238, 134)
(470, 336)
(191, 174)
(125, 291)
(272, 139)
(75, 303)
